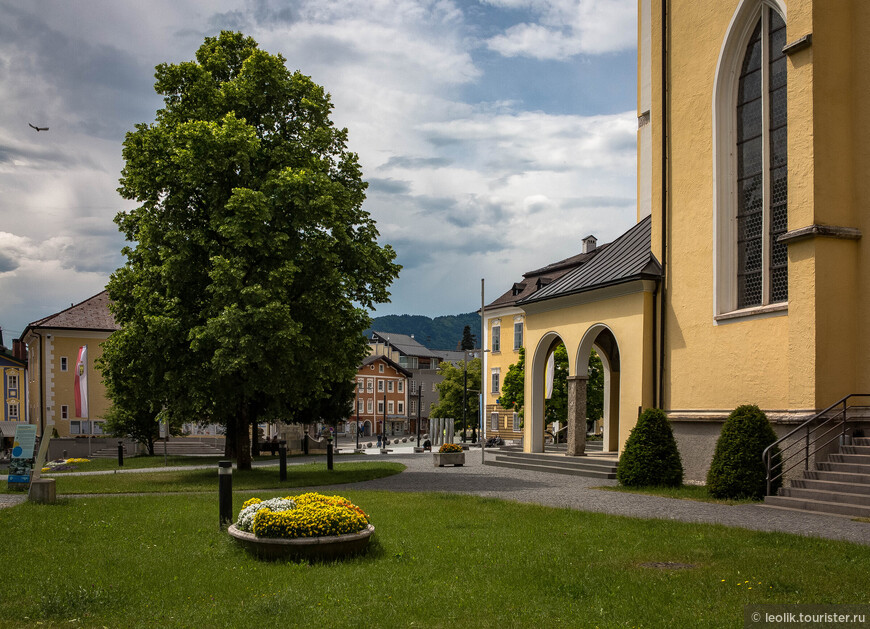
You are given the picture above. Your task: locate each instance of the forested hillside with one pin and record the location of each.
(438, 333)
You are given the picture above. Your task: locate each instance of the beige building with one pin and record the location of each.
(53, 344)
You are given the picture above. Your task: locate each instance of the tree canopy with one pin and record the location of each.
(513, 387)
(468, 340)
(252, 264)
(450, 392)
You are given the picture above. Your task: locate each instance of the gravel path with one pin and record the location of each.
(574, 492)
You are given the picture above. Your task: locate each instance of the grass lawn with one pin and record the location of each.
(187, 480)
(436, 561)
(684, 492)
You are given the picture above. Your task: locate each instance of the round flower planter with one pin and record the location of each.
(449, 458)
(304, 547)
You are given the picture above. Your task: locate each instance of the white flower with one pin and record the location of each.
(246, 515)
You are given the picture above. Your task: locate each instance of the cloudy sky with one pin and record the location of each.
(494, 134)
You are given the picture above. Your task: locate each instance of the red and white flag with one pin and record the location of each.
(81, 382)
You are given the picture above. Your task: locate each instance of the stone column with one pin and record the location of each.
(577, 415)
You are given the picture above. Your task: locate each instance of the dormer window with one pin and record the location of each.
(542, 281)
(517, 289)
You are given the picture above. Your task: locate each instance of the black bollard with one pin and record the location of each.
(282, 463)
(120, 454)
(225, 492)
(329, 454)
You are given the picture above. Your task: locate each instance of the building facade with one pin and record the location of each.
(13, 371)
(505, 336)
(381, 397)
(53, 344)
(745, 277)
(422, 363)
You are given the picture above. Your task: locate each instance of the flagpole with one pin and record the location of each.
(88, 401)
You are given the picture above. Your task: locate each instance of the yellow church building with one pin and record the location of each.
(745, 278)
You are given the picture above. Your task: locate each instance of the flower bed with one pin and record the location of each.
(310, 524)
(450, 447)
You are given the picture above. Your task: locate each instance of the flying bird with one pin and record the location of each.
(37, 128)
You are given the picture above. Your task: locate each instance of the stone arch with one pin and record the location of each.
(538, 364)
(601, 338)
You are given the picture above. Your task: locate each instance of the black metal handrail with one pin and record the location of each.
(834, 423)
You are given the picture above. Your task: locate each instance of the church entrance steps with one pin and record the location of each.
(840, 485)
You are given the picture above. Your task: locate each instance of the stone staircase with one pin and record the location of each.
(840, 485)
(554, 461)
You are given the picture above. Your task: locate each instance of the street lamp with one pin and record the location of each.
(384, 427)
(419, 408)
(356, 403)
(464, 392)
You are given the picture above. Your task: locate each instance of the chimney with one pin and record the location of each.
(18, 349)
(589, 243)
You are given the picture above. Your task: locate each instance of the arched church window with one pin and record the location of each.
(762, 184)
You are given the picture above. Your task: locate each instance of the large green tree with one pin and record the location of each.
(450, 392)
(556, 406)
(252, 265)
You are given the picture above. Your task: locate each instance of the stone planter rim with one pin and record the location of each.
(327, 546)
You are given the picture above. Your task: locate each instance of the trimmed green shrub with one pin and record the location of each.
(650, 457)
(737, 470)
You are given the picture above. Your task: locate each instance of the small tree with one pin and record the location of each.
(467, 339)
(650, 457)
(450, 392)
(737, 469)
(595, 390)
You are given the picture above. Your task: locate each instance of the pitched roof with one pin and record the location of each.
(533, 281)
(627, 258)
(404, 344)
(372, 358)
(91, 314)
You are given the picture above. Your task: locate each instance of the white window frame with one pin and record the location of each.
(518, 328)
(370, 385)
(390, 386)
(12, 412)
(380, 367)
(400, 387)
(493, 421)
(391, 408)
(12, 381)
(380, 386)
(725, 166)
(400, 407)
(64, 411)
(494, 379)
(360, 384)
(516, 422)
(360, 406)
(496, 338)
(75, 428)
(380, 407)
(370, 405)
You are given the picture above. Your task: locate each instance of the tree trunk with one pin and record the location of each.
(243, 439)
(150, 444)
(230, 441)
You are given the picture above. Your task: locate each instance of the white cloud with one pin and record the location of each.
(567, 28)
(462, 189)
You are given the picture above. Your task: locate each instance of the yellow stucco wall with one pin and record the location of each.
(813, 353)
(628, 318)
(501, 360)
(59, 385)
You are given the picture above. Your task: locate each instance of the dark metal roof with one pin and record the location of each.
(404, 344)
(627, 258)
(533, 280)
(373, 358)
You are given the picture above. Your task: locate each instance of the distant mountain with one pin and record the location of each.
(438, 333)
